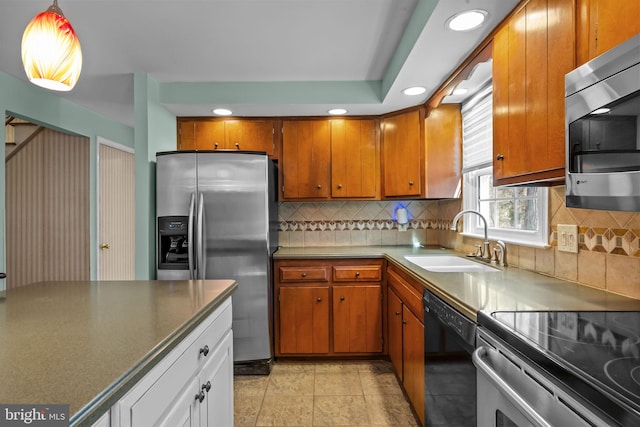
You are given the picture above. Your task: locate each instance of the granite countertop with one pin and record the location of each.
(86, 343)
(510, 288)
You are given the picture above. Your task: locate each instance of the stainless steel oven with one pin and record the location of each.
(449, 374)
(558, 369)
(602, 100)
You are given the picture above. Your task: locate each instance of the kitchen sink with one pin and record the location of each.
(449, 264)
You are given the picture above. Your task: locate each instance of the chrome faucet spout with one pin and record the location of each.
(486, 251)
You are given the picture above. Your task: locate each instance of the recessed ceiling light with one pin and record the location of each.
(601, 111)
(415, 90)
(459, 91)
(222, 112)
(337, 111)
(467, 20)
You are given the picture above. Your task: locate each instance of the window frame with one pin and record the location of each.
(474, 227)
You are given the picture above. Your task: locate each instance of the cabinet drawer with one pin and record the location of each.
(304, 274)
(360, 273)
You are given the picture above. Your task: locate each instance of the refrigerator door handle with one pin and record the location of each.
(202, 237)
(191, 236)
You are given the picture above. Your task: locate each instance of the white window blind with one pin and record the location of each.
(477, 131)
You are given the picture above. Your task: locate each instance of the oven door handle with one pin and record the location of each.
(509, 392)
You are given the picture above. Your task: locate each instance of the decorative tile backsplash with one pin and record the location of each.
(609, 241)
(612, 232)
(357, 223)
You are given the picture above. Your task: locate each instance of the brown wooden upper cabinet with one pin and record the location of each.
(443, 151)
(532, 52)
(306, 154)
(227, 134)
(604, 24)
(402, 155)
(355, 159)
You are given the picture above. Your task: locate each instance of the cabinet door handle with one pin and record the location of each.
(238, 145)
(215, 145)
(500, 157)
(410, 182)
(319, 186)
(206, 386)
(404, 322)
(397, 313)
(357, 274)
(319, 299)
(200, 396)
(304, 274)
(339, 186)
(204, 350)
(341, 298)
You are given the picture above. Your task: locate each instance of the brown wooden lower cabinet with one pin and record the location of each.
(328, 307)
(394, 321)
(406, 335)
(304, 320)
(337, 308)
(357, 319)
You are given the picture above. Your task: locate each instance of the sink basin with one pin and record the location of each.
(449, 264)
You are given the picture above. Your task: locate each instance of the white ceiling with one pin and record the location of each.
(257, 57)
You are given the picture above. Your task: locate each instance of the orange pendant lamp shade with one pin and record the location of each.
(51, 53)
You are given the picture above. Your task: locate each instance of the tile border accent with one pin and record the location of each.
(369, 224)
(618, 241)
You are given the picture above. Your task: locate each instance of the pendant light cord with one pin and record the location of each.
(55, 9)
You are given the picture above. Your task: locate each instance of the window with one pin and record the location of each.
(514, 214)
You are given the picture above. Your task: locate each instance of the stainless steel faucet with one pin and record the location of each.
(486, 251)
(500, 251)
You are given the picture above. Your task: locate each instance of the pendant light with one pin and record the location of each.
(51, 53)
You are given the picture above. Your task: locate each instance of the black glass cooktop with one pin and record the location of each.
(601, 348)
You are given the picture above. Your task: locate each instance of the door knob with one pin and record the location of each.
(104, 246)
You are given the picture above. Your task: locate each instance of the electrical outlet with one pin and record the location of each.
(568, 238)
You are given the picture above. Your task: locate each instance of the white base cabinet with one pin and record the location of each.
(216, 408)
(191, 386)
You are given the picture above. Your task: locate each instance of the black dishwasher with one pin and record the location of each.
(449, 373)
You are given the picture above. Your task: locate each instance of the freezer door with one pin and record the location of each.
(175, 197)
(236, 211)
(175, 183)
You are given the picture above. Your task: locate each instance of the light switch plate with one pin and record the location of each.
(568, 238)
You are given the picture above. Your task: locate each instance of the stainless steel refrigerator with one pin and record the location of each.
(216, 219)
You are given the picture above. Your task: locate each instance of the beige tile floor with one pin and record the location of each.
(359, 393)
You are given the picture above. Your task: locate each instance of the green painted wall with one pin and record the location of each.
(44, 107)
(155, 131)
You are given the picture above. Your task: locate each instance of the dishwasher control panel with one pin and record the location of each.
(450, 317)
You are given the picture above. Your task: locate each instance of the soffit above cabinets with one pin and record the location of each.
(257, 57)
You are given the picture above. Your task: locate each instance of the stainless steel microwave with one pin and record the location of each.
(602, 110)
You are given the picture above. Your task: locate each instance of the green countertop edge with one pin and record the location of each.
(102, 403)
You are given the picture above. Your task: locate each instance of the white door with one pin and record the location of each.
(116, 212)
